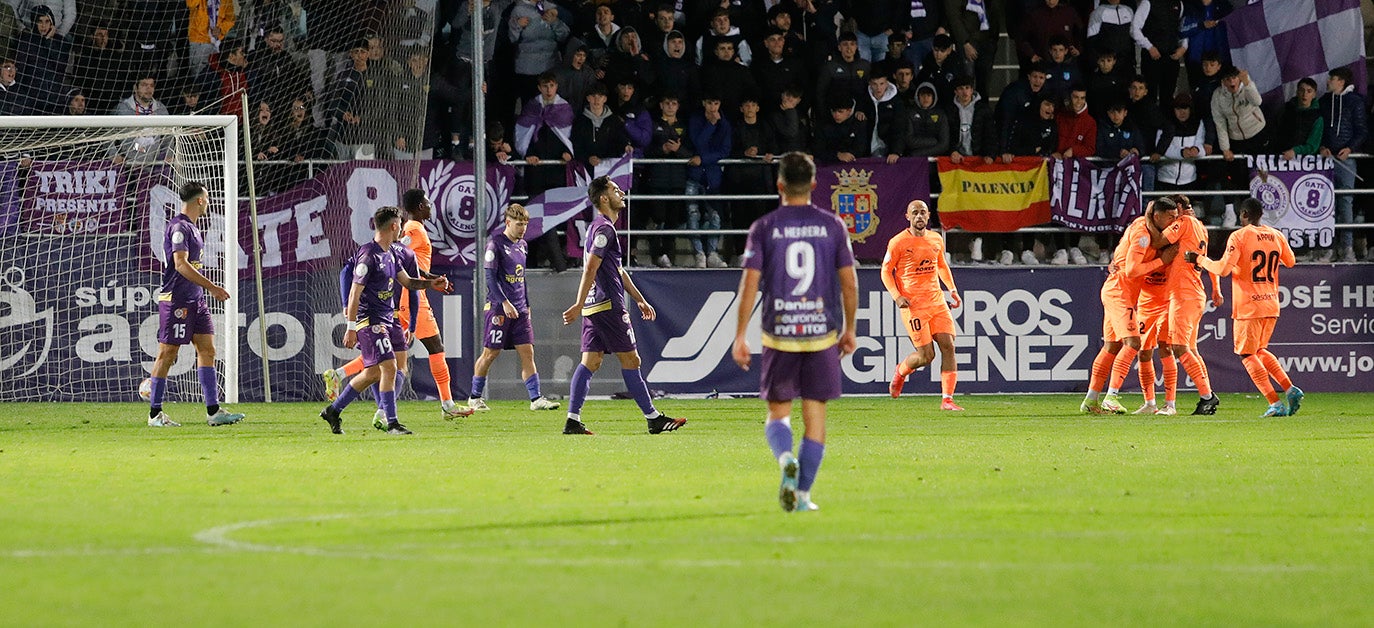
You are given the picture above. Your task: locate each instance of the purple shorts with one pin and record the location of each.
(812, 375)
(503, 332)
(178, 322)
(607, 332)
(380, 342)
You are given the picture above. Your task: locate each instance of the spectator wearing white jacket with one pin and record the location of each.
(1183, 138)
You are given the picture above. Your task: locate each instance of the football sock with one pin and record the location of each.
(1193, 365)
(577, 389)
(438, 367)
(1102, 369)
(389, 405)
(353, 367)
(903, 370)
(532, 386)
(810, 459)
(1255, 367)
(947, 381)
(376, 394)
(348, 395)
(779, 434)
(158, 386)
(1271, 364)
(478, 384)
(1121, 367)
(1170, 367)
(640, 391)
(1147, 380)
(209, 387)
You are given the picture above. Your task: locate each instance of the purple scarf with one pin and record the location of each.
(558, 117)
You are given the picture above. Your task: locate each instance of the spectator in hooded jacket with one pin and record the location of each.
(597, 133)
(928, 124)
(42, 57)
(841, 138)
(884, 118)
(537, 36)
(1344, 129)
(673, 70)
(971, 130)
(1182, 139)
(628, 60)
(62, 12)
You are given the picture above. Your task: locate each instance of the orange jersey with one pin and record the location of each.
(1118, 284)
(414, 236)
(1253, 255)
(1143, 263)
(914, 267)
(1184, 281)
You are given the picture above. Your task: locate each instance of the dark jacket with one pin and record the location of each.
(1343, 120)
(598, 136)
(1112, 139)
(850, 136)
(773, 77)
(728, 81)
(1300, 128)
(1017, 99)
(928, 129)
(712, 143)
(885, 123)
(1032, 135)
(43, 67)
(668, 177)
(940, 75)
(838, 76)
(791, 130)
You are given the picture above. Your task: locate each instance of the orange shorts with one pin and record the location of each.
(1184, 318)
(923, 323)
(1252, 334)
(1154, 324)
(426, 326)
(1118, 319)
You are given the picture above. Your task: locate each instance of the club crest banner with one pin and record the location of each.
(1298, 196)
(871, 196)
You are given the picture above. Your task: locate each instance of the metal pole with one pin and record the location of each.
(257, 247)
(479, 174)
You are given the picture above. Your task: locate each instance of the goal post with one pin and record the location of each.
(84, 202)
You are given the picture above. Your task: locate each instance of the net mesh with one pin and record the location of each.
(83, 212)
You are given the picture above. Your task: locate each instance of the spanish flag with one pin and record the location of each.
(994, 197)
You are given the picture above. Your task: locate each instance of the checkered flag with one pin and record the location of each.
(1283, 41)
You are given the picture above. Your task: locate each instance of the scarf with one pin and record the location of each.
(979, 8)
(918, 8)
(557, 116)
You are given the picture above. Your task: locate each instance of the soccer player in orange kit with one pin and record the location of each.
(1187, 303)
(1253, 255)
(912, 271)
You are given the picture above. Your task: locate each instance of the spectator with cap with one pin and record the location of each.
(940, 67)
(840, 137)
(976, 26)
(776, 71)
(845, 74)
(42, 57)
(928, 124)
(712, 135)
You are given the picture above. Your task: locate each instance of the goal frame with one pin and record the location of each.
(228, 327)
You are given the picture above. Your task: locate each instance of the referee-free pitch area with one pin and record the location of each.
(1018, 511)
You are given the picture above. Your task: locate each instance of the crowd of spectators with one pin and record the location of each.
(698, 80)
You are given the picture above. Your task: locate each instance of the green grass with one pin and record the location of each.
(1016, 512)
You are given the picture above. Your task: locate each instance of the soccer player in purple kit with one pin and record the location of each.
(605, 321)
(371, 318)
(183, 313)
(799, 256)
(507, 311)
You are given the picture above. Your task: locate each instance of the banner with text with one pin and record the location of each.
(871, 196)
(1298, 196)
(74, 197)
(996, 197)
(1090, 197)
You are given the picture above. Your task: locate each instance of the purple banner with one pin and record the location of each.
(9, 197)
(1037, 332)
(74, 197)
(1298, 196)
(871, 196)
(1095, 198)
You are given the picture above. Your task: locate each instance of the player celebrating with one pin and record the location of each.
(1187, 303)
(183, 314)
(370, 315)
(1119, 328)
(912, 271)
(606, 323)
(508, 311)
(799, 256)
(1255, 301)
(423, 324)
(1147, 252)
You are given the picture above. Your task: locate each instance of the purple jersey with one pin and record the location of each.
(799, 249)
(608, 291)
(375, 269)
(182, 235)
(505, 264)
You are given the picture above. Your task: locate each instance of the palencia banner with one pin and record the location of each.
(871, 196)
(1090, 197)
(1298, 196)
(1036, 333)
(996, 197)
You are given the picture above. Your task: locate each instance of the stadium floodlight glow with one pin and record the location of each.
(84, 201)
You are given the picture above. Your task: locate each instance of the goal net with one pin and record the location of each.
(84, 206)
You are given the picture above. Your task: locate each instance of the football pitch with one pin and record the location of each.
(1018, 511)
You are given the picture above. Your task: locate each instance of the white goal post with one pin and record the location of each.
(83, 202)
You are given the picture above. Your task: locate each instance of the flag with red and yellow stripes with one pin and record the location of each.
(996, 197)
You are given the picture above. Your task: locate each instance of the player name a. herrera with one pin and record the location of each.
(1299, 163)
(804, 231)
